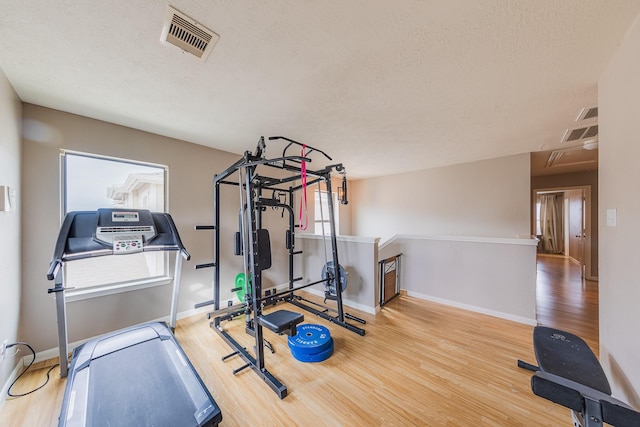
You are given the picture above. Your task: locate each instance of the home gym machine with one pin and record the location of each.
(569, 374)
(257, 193)
(138, 375)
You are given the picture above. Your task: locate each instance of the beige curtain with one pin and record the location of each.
(551, 223)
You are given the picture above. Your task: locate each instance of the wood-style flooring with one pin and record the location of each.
(420, 363)
(565, 300)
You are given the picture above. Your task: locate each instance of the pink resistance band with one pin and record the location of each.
(303, 197)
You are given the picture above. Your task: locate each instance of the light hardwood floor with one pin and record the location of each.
(420, 363)
(566, 301)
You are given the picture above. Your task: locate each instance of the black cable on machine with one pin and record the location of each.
(25, 371)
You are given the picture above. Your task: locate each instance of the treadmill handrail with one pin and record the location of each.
(102, 249)
(176, 236)
(54, 266)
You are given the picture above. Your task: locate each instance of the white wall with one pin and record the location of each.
(191, 171)
(494, 276)
(358, 256)
(445, 222)
(487, 198)
(10, 152)
(619, 111)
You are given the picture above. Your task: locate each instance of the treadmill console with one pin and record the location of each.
(117, 216)
(126, 230)
(127, 244)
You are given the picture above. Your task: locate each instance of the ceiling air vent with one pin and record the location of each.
(571, 156)
(591, 132)
(581, 133)
(575, 134)
(588, 113)
(187, 34)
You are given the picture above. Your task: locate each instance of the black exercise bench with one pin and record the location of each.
(281, 321)
(569, 374)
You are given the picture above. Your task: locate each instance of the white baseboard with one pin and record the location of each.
(188, 313)
(357, 306)
(53, 352)
(12, 377)
(481, 310)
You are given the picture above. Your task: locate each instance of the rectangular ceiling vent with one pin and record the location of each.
(588, 113)
(571, 135)
(571, 156)
(187, 34)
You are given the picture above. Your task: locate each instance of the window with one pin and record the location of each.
(538, 227)
(321, 213)
(90, 182)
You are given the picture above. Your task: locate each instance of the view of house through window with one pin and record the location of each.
(321, 213)
(91, 182)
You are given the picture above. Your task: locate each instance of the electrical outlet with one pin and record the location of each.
(3, 349)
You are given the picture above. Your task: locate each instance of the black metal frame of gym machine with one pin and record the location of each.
(253, 186)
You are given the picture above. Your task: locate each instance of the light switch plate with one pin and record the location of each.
(7, 199)
(612, 217)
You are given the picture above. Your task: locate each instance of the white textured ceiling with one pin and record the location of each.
(382, 86)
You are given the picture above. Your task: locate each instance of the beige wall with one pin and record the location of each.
(487, 198)
(494, 276)
(358, 256)
(191, 171)
(619, 108)
(10, 256)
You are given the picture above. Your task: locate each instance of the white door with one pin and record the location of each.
(576, 225)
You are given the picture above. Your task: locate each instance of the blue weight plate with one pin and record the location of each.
(319, 357)
(306, 352)
(310, 339)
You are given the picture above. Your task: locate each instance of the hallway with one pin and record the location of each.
(565, 301)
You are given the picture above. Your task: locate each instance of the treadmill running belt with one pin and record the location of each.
(123, 387)
(137, 376)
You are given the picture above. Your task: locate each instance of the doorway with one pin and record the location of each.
(562, 223)
(389, 279)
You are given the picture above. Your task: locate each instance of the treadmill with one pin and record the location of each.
(137, 376)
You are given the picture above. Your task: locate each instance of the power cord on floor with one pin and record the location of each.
(25, 371)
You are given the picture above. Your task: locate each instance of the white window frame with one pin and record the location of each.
(538, 226)
(318, 220)
(86, 292)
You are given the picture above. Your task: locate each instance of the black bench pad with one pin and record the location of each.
(281, 321)
(567, 355)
